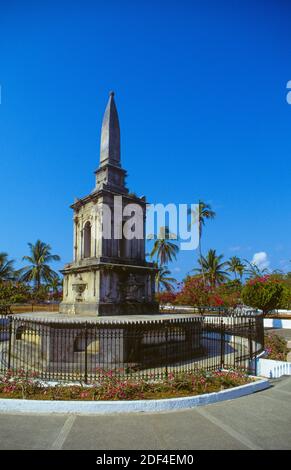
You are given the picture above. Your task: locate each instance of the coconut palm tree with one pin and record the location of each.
(54, 286)
(213, 268)
(254, 271)
(7, 272)
(200, 216)
(235, 266)
(163, 248)
(240, 271)
(164, 280)
(38, 269)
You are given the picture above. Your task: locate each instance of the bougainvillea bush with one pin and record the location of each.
(166, 297)
(194, 292)
(227, 294)
(111, 387)
(264, 293)
(197, 293)
(275, 347)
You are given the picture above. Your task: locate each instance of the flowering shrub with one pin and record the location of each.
(112, 387)
(194, 292)
(166, 297)
(12, 293)
(226, 295)
(198, 294)
(21, 383)
(264, 293)
(276, 347)
(286, 297)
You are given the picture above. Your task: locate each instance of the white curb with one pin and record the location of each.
(8, 405)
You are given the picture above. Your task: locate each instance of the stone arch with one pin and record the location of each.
(19, 332)
(87, 240)
(81, 344)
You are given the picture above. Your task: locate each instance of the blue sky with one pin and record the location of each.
(201, 94)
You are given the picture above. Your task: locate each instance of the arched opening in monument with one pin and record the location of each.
(87, 240)
(19, 332)
(90, 344)
(79, 343)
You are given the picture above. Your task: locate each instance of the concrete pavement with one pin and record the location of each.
(258, 421)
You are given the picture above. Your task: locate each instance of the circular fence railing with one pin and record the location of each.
(81, 350)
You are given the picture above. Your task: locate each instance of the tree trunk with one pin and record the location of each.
(200, 256)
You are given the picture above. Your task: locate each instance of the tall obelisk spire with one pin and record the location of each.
(110, 135)
(110, 175)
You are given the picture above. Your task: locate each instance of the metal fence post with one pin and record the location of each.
(10, 342)
(250, 345)
(222, 343)
(166, 339)
(86, 355)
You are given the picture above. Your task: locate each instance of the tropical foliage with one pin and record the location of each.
(253, 271)
(13, 292)
(54, 288)
(194, 292)
(200, 295)
(212, 268)
(35, 282)
(164, 280)
(264, 293)
(228, 294)
(166, 297)
(6, 267)
(276, 347)
(164, 249)
(204, 213)
(235, 266)
(38, 269)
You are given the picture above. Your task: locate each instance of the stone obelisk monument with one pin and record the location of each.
(109, 275)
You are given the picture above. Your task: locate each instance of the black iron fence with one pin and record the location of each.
(75, 350)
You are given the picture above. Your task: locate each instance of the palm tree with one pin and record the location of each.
(7, 272)
(254, 271)
(39, 270)
(278, 271)
(241, 270)
(204, 213)
(235, 266)
(54, 286)
(164, 280)
(212, 267)
(164, 249)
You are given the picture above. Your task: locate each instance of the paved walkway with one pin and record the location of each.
(258, 421)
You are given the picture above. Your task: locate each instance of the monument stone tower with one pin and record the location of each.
(109, 275)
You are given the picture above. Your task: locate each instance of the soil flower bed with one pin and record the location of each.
(276, 347)
(112, 387)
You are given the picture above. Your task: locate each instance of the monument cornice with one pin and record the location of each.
(112, 266)
(96, 195)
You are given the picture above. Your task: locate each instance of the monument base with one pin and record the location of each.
(57, 347)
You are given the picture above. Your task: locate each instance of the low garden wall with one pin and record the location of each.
(273, 369)
(277, 323)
